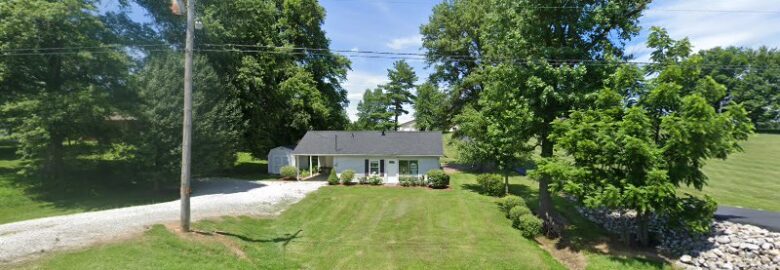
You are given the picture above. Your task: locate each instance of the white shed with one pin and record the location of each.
(279, 157)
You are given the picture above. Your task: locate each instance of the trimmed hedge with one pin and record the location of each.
(333, 179)
(491, 184)
(516, 212)
(438, 179)
(510, 201)
(288, 172)
(529, 225)
(347, 176)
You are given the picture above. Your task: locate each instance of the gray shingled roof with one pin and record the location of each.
(370, 143)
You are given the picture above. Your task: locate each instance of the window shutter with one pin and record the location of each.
(366, 166)
(382, 167)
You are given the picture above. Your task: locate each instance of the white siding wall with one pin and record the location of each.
(279, 157)
(357, 163)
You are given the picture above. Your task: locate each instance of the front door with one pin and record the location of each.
(392, 171)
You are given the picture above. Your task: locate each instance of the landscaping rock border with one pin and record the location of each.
(728, 245)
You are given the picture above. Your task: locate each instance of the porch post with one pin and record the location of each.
(297, 169)
(310, 168)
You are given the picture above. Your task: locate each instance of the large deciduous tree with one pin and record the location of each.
(632, 157)
(752, 77)
(547, 53)
(453, 39)
(50, 95)
(285, 83)
(399, 89)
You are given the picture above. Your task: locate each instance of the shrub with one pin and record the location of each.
(288, 172)
(410, 181)
(438, 179)
(529, 225)
(490, 184)
(516, 212)
(420, 181)
(510, 201)
(405, 181)
(375, 180)
(333, 179)
(363, 180)
(347, 176)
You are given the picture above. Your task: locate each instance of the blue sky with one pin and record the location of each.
(393, 25)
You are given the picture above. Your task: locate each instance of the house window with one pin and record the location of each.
(408, 167)
(373, 167)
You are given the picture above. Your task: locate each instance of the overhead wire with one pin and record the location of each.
(681, 10)
(282, 50)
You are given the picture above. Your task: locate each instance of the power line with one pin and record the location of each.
(305, 51)
(107, 46)
(680, 10)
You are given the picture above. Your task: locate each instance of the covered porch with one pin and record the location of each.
(311, 167)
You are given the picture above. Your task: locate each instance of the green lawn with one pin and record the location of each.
(91, 182)
(749, 179)
(88, 184)
(356, 227)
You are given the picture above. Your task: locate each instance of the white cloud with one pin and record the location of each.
(722, 23)
(356, 84)
(414, 41)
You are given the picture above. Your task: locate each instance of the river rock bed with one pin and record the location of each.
(728, 245)
(735, 246)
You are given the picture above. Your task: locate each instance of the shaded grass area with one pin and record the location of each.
(90, 182)
(750, 179)
(356, 227)
(581, 235)
(87, 184)
(248, 167)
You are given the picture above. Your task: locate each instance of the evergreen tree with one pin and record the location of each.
(373, 111)
(399, 89)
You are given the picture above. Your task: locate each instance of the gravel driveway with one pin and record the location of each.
(212, 198)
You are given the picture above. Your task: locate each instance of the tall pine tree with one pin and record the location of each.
(399, 89)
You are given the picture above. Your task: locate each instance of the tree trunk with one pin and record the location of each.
(643, 234)
(546, 210)
(54, 157)
(506, 182)
(396, 122)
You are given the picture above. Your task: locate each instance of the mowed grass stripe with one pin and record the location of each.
(748, 179)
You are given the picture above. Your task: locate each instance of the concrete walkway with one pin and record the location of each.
(764, 219)
(28, 239)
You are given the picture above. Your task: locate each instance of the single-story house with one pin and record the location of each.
(279, 157)
(382, 153)
(408, 126)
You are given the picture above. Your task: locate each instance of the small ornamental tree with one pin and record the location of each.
(498, 133)
(634, 157)
(333, 179)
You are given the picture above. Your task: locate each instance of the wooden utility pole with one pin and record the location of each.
(186, 142)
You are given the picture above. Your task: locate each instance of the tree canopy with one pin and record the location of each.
(50, 96)
(633, 157)
(373, 111)
(542, 52)
(399, 89)
(430, 108)
(282, 89)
